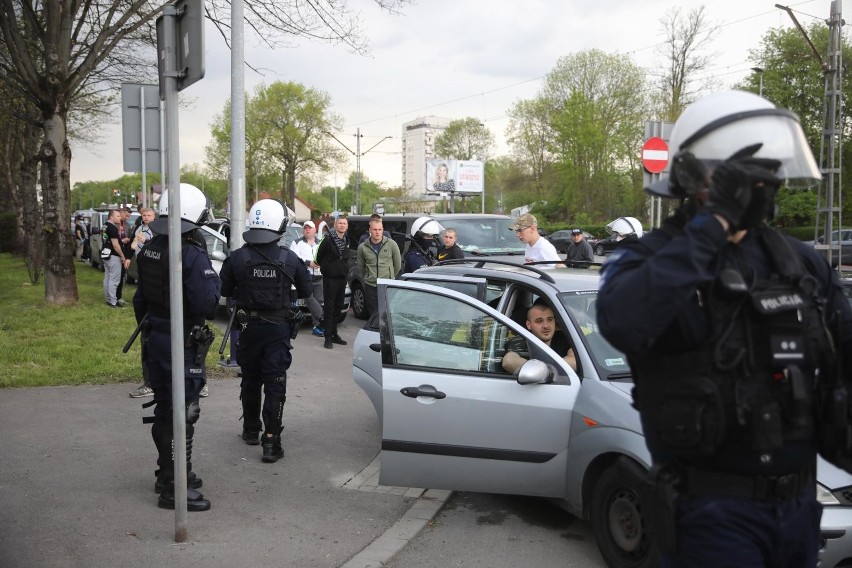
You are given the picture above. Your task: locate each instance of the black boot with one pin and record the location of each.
(195, 501)
(327, 343)
(338, 340)
(249, 437)
(192, 481)
(251, 416)
(272, 450)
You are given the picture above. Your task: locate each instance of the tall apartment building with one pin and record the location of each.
(418, 145)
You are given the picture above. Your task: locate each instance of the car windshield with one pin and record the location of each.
(486, 236)
(293, 232)
(581, 307)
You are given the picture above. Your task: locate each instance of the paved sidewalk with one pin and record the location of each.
(76, 481)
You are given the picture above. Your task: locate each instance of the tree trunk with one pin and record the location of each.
(60, 283)
(30, 214)
(290, 195)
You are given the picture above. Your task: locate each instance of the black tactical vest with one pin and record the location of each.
(153, 263)
(752, 385)
(263, 283)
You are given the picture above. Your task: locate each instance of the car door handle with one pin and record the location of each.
(423, 390)
(377, 347)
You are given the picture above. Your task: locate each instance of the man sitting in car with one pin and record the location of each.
(542, 322)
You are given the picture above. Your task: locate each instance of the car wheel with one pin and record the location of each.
(599, 250)
(618, 518)
(359, 302)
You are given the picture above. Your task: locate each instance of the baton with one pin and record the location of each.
(228, 330)
(135, 334)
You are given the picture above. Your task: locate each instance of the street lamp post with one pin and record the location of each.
(760, 71)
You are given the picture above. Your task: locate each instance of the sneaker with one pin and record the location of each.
(121, 302)
(204, 392)
(338, 340)
(318, 331)
(143, 390)
(115, 306)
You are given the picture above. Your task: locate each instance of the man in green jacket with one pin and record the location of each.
(378, 257)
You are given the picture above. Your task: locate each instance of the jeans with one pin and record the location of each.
(112, 276)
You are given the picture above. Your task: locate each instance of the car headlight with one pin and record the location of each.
(825, 496)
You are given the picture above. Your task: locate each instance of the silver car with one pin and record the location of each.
(453, 419)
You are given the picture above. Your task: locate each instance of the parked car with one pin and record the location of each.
(841, 238)
(453, 419)
(605, 246)
(479, 236)
(218, 250)
(562, 240)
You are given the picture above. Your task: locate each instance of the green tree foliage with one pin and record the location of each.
(465, 139)
(61, 56)
(286, 125)
(530, 135)
(599, 104)
(793, 78)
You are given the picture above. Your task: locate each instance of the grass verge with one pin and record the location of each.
(44, 345)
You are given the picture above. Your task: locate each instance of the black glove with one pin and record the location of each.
(733, 183)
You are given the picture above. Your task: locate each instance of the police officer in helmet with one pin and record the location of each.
(200, 298)
(730, 330)
(424, 244)
(258, 276)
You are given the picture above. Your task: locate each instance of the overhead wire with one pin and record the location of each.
(398, 115)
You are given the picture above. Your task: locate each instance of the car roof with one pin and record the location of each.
(559, 279)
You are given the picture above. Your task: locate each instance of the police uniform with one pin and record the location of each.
(201, 287)
(259, 277)
(725, 342)
(418, 255)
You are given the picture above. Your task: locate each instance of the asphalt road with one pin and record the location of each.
(501, 531)
(76, 485)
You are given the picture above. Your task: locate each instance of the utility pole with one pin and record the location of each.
(831, 146)
(357, 153)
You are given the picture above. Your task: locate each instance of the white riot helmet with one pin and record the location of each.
(428, 226)
(194, 210)
(713, 128)
(266, 220)
(624, 227)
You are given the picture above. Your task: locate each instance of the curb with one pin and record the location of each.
(397, 537)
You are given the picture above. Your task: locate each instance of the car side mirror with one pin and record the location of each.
(218, 255)
(534, 372)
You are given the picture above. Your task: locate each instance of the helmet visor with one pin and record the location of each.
(800, 170)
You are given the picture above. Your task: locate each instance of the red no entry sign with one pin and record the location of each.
(655, 154)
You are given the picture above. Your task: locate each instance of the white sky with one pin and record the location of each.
(451, 58)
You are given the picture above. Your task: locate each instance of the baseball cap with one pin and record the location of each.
(524, 221)
(309, 224)
(576, 232)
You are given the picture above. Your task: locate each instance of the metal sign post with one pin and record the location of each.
(180, 49)
(140, 129)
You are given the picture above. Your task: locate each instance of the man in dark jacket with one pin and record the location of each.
(333, 259)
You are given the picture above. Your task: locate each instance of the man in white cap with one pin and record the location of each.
(306, 248)
(538, 248)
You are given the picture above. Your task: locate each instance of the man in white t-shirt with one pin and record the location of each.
(538, 248)
(306, 248)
